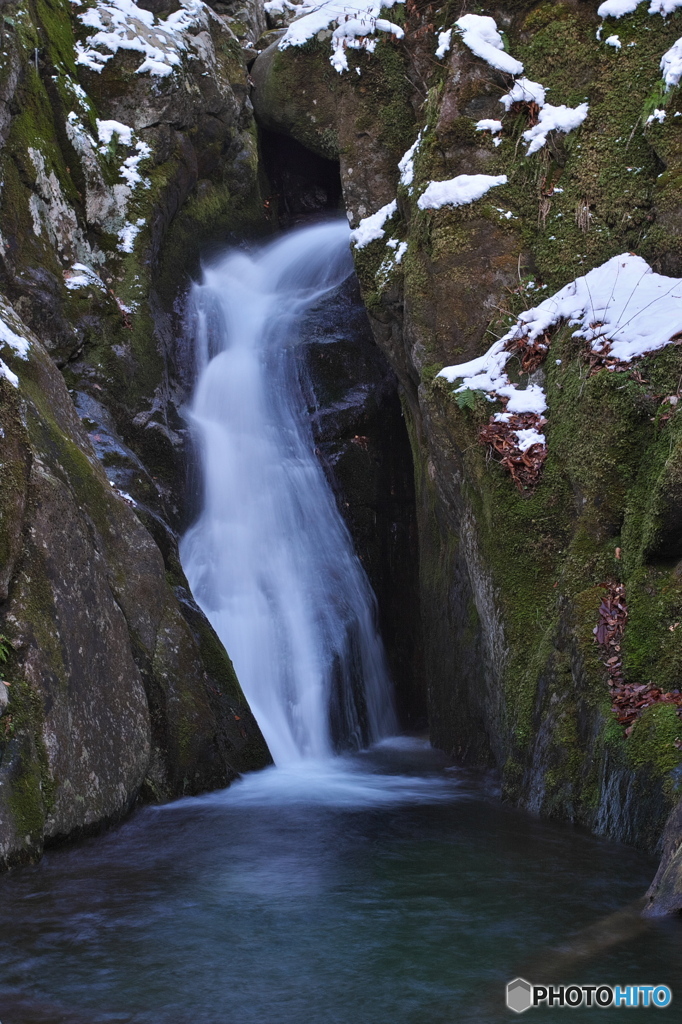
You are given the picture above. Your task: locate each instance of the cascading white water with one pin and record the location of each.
(269, 559)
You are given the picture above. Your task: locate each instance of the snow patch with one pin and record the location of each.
(391, 261)
(129, 169)
(355, 21)
(107, 129)
(613, 41)
(488, 124)
(128, 234)
(524, 91)
(406, 163)
(279, 6)
(82, 276)
(562, 119)
(444, 42)
(480, 34)
(19, 345)
(527, 438)
(459, 191)
(122, 25)
(550, 118)
(8, 375)
(671, 65)
(487, 373)
(664, 7)
(371, 228)
(618, 8)
(621, 308)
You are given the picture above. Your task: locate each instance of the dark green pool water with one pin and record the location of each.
(386, 889)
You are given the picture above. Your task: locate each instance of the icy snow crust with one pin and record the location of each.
(355, 20)
(622, 309)
(122, 25)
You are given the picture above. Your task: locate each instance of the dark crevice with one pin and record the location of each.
(362, 442)
(303, 185)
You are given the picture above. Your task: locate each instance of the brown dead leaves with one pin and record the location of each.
(530, 353)
(629, 699)
(528, 107)
(601, 359)
(608, 633)
(525, 467)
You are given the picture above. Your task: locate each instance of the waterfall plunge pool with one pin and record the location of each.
(382, 888)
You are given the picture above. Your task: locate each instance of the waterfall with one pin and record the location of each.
(270, 560)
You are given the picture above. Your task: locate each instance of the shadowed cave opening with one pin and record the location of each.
(303, 185)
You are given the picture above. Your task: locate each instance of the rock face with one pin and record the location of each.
(512, 579)
(128, 146)
(111, 691)
(362, 442)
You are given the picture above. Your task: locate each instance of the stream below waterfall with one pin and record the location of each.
(382, 888)
(362, 879)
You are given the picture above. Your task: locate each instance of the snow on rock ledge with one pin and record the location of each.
(480, 34)
(550, 118)
(355, 21)
(459, 191)
(122, 25)
(371, 228)
(18, 345)
(622, 309)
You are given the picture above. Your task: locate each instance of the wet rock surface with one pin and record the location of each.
(362, 441)
(113, 692)
(511, 581)
(115, 180)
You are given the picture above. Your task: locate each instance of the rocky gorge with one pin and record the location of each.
(528, 569)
